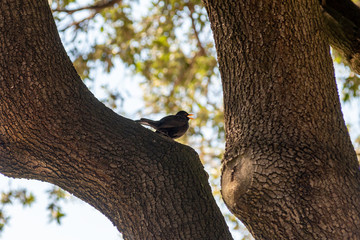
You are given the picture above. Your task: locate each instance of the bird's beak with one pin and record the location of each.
(190, 115)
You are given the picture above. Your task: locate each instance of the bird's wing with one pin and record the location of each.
(171, 121)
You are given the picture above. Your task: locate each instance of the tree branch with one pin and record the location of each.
(77, 24)
(97, 7)
(95, 10)
(193, 25)
(342, 20)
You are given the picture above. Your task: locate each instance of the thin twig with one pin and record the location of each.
(192, 10)
(97, 7)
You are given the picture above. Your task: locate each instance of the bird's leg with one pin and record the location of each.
(165, 134)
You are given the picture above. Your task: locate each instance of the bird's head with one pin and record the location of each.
(185, 114)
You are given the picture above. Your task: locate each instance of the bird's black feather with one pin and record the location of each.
(173, 126)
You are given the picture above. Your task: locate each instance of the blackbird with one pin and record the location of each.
(173, 126)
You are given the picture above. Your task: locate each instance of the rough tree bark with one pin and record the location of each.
(290, 170)
(53, 129)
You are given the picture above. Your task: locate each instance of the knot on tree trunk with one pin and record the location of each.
(237, 175)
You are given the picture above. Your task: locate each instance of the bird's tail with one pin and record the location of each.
(146, 121)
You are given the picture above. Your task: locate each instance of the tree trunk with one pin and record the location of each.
(53, 129)
(290, 171)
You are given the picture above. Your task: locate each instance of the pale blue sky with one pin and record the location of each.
(32, 223)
